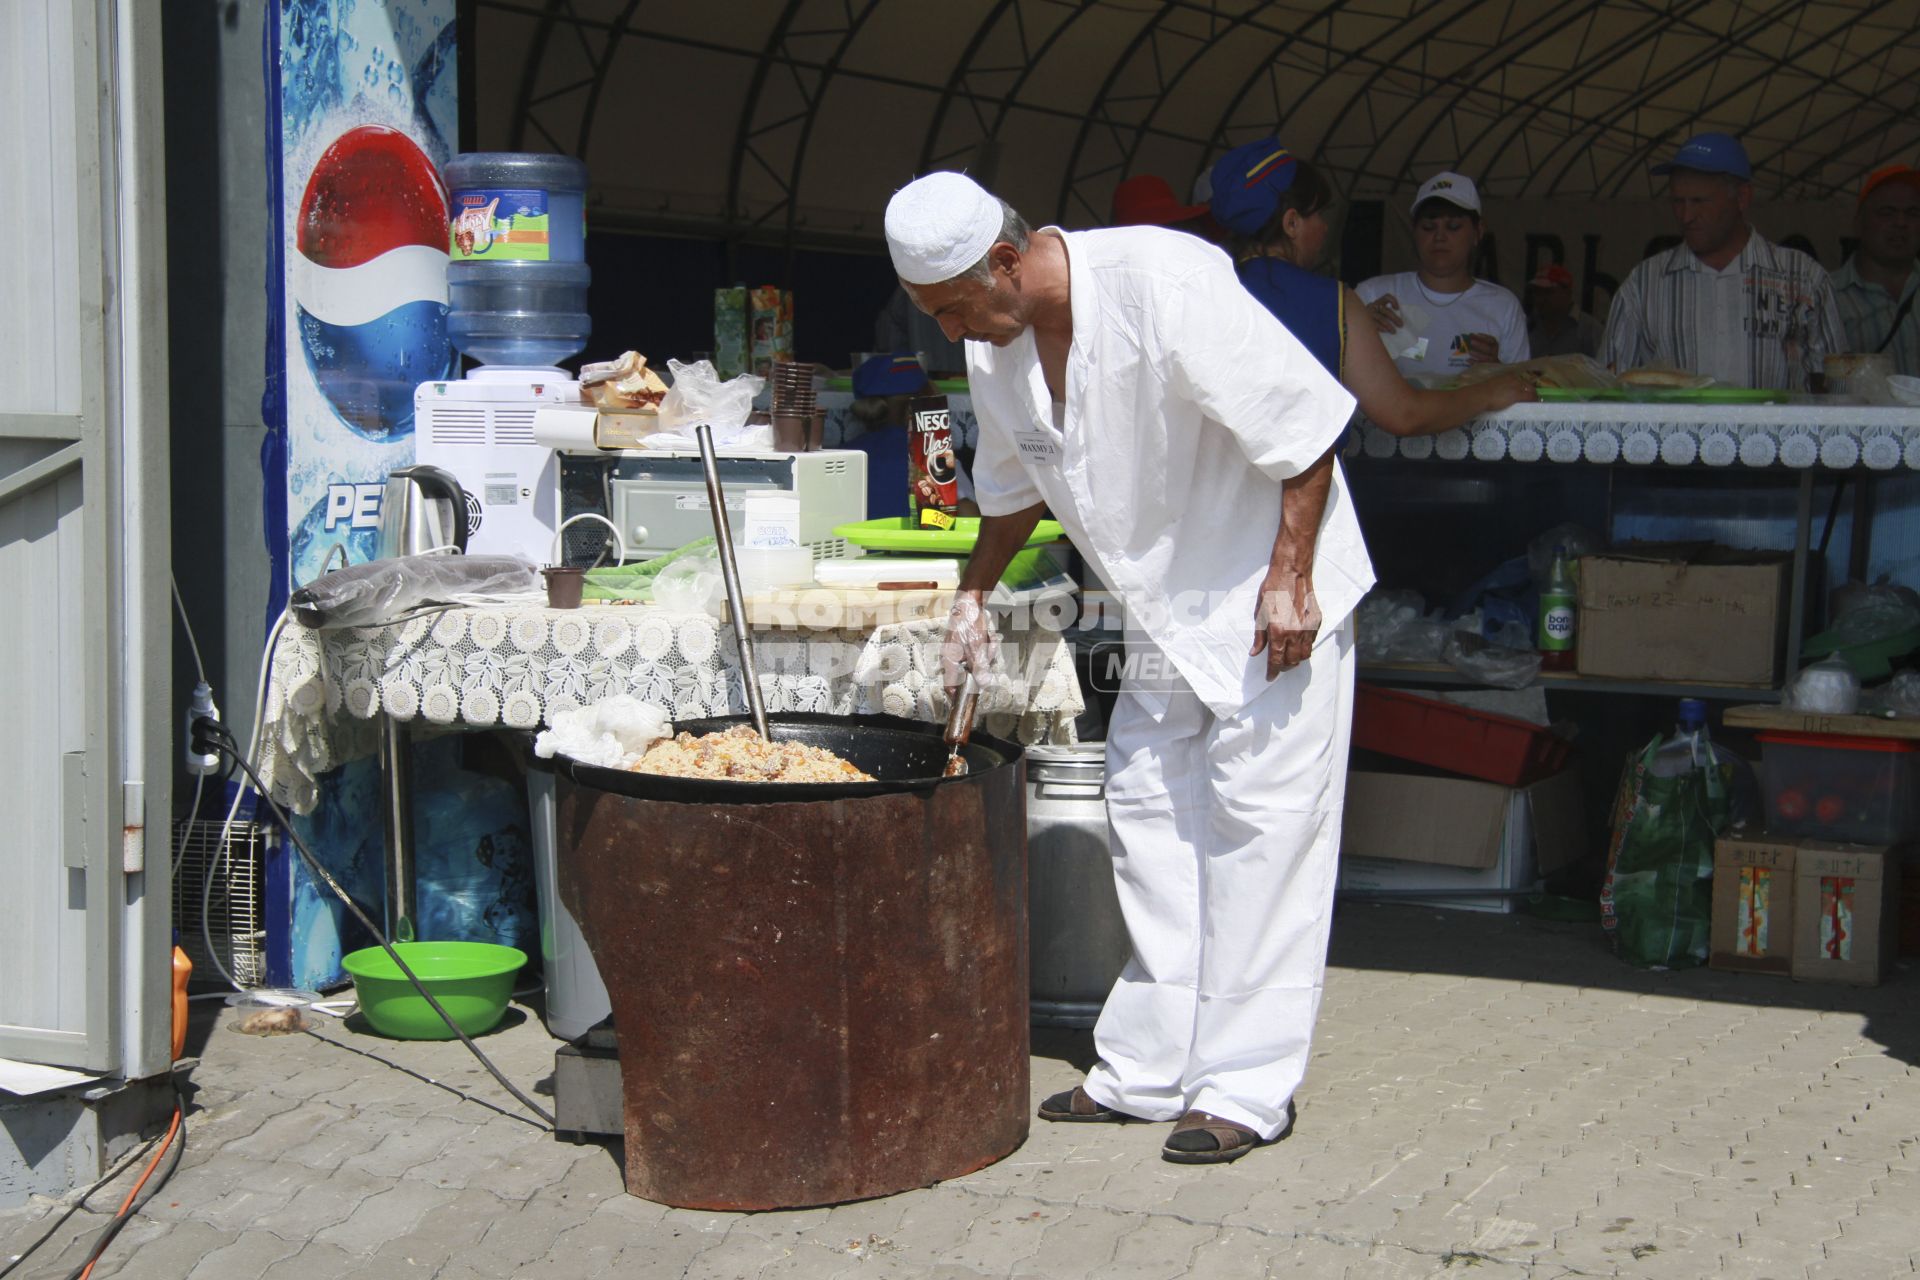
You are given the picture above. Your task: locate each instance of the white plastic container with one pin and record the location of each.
(772, 568)
(772, 519)
(868, 572)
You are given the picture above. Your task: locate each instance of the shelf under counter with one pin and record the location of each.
(1439, 674)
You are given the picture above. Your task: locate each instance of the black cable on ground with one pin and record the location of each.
(126, 1162)
(220, 735)
(177, 1137)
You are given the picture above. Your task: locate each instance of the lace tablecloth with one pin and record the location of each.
(1837, 437)
(518, 666)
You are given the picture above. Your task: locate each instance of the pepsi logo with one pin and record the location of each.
(369, 278)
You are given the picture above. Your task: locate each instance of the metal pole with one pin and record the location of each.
(396, 769)
(1797, 592)
(736, 602)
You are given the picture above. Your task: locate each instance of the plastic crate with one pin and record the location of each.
(1857, 790)
(1446, 735)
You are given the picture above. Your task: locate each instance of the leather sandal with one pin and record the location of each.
(1203, 1138)
(1077, 1106)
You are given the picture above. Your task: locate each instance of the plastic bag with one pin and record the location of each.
(634, 581)
(613, 733)
(1868, 614)
(1497, 665)
(698, 395)
(691, 584)
(1828, 687)
(1392, 626)
(1900, 696)
(1657, 902)
(473, 855)
(375, 593)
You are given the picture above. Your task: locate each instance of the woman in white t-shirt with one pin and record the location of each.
(1439, 319)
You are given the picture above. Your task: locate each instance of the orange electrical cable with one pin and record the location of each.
(152, 1164)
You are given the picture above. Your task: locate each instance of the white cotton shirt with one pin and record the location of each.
(1441, 321)
(1187, 406)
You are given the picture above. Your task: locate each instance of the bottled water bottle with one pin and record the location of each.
(1690, 748)
(516, 273)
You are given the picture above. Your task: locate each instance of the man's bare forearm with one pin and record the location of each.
(1001, 538)
(1303, 501)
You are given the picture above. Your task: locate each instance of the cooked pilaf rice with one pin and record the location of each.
(740, 754)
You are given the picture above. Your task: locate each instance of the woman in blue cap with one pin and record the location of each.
(881, 388)
(1275, 206)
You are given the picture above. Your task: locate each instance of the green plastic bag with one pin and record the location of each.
(634, 582)
(1657, 902)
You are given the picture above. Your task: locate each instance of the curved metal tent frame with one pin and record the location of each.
(810, 111)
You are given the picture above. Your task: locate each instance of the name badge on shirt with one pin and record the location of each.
(1038, 447)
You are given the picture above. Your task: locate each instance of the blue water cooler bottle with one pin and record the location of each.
(516, 271)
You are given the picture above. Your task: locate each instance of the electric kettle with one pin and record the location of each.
(423, 508)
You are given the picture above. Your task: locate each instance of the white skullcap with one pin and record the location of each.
(940, 225)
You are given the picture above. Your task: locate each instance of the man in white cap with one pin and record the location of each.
(1441, 318)
(1125, 380)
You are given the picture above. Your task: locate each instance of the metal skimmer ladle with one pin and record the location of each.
(960, 726)
(730, 573)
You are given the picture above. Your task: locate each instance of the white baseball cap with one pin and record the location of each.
(1454, 188)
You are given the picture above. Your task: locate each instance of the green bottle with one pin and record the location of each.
(1559, 616)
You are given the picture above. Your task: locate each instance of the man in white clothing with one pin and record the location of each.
(1125, 380)
(1441, 318)
(1725, 302)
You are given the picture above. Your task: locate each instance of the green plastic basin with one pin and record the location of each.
(472, 980)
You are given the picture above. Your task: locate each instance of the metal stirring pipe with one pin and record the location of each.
(730, 573)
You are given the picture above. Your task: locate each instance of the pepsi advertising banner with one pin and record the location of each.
(361, 117)
(363, 114)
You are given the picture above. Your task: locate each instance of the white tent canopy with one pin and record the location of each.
(792, 120)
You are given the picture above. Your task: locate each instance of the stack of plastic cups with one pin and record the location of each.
(798, 422)
(516, 272)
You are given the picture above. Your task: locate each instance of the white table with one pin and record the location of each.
(517, 666)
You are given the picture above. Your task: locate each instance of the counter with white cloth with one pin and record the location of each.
(1810, 432)
(515, 666)
(1806, 436)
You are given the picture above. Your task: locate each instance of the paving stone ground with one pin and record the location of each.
(1490, 1097)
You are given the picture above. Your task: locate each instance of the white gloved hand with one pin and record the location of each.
(969, 644)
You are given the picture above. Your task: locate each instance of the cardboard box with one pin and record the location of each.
(1683, 612)
(1428, 834)
(1753, 888)
(1846, 912)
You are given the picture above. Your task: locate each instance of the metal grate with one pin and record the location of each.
(235, 908)
(457, 426)
(513, 426)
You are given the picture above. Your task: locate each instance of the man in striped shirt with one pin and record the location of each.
(1724, 302)
(1877, 285)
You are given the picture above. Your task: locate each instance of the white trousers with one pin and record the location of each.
(1225, 838)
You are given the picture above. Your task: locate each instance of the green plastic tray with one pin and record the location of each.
(1653, 395)
(893, 533)
(1552, 394)
(1712, 395)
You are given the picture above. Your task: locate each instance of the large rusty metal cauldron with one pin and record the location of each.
(820, 990)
